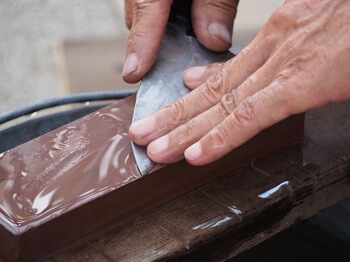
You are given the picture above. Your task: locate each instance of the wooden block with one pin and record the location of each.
(239, 192)
(89, 65)
(81, 253)
(283, 172)
(135, 241)
(81, 179)
(198, 213)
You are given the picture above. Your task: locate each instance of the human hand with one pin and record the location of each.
(299, 61)
(212, 22)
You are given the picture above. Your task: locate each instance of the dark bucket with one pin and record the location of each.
(21, 133)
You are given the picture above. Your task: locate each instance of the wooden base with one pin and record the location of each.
(233, 213)
(68, 184)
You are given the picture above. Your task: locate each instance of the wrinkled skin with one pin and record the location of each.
(299, 61)
(212, 22)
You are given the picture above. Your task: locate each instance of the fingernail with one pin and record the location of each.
(143, 127)
(159, 145)
(194, 73)
(220, 31)
(131, 64)
(194, 152)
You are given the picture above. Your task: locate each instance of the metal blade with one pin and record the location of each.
(164, 85)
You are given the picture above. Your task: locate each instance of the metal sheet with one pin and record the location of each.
(164, 83)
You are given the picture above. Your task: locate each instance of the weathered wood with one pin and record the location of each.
(333, 134)
(239, 191)
(199, 215)
(317, 178)
(84, 171)
(117, 243)
(81, 253)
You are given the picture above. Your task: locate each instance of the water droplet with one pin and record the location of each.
(30, 210)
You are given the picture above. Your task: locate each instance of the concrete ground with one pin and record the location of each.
(31, 30)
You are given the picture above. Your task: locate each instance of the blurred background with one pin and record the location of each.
(49, 48)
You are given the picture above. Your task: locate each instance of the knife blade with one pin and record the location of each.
(163, 84)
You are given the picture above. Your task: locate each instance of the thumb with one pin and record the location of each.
(213, 22)
(148, 26)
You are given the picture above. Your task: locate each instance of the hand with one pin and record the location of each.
(212, 24)
(299, 61)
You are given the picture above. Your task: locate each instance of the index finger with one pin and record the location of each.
(259, 111)
(229, 77)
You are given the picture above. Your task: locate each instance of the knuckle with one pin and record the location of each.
(216, 85)
(245, 51)
(213, 69)
(244, 113)
(149, 9)
(219, 137)
(135, 34)
(146, 4)
(282, 92)
(212, 89)
(252, 80)
(277, 92)
(248, 56)
(139, 4)
(298, 65)
(178, 113)
(207, 95)
(280, 19)
(227, 104)
(281, 95)
(188, 130)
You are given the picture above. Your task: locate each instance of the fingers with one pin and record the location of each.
(179, 112)
(254, 114)
(195, 76)
(145, 37)
(212, 19)
(213, 22)
(209, 94)
(169, 148)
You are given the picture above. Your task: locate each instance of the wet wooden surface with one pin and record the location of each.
(243, 208)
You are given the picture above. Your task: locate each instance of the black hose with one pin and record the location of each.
(76, 98)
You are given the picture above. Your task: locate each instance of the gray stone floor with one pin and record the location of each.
(31, 30)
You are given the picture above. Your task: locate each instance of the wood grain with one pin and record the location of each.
(318, 177)
(78, 171)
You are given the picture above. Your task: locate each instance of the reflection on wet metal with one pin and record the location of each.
(215, 222)
(65, 169)
(275, 191)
